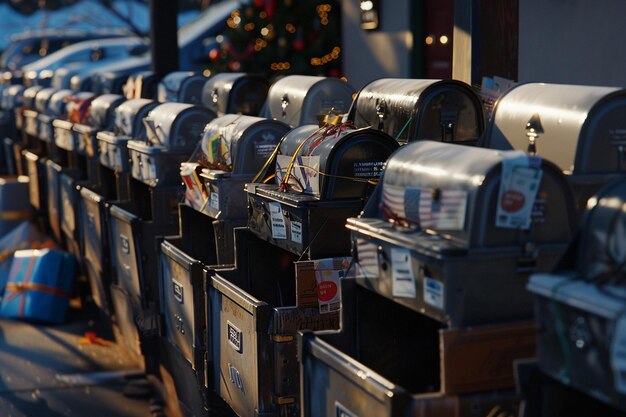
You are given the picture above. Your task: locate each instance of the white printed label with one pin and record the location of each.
(296, 232)
(618, 354)
(518, 190)
(403, 284)
(214, 201)
(279, 230)
(368, 259)
(433, 293)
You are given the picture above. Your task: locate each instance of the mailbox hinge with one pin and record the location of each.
(282, 338)
(284, 400)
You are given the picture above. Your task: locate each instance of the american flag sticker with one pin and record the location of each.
(432, 208)
(368, 258)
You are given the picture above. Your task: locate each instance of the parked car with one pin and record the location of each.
(41, 71)
(27, 47)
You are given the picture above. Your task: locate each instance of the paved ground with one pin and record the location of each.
(50, 371)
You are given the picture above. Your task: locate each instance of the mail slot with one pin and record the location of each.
(454, 232)
(582, 129)
(390, 361)
(174, 130)
(413, 109)
(235, 93)
(128, 124)
(580, 306)
(253, 323)
(303, 99)
(323, 176)
(181, 87)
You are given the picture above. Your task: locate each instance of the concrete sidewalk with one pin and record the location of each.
(54, 371)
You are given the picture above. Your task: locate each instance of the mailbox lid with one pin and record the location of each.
(181, 87)
(456, 192)
(417, 109)
(102, 109)
(30, 95)
(239, 143)
(177, 125)
(300, 99)
(129, 117)
(583, 126)
(43, 98)
(339, 161)
(58, 102)
(235, 93)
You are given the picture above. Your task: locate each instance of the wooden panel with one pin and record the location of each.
(481, 358)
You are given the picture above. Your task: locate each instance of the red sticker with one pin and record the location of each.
(512, 201)
(326, 290)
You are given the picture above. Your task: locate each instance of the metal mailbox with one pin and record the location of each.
(181, 87)
(386, 362)
(31, 117)
(235, 93)
(70, 197)
(35, 169)
(303, 99)
(128, 125)
(174, 130)
(75, 110)
(100, 117)
(27, 115)
(579, 128)
(233, 149)
(252, 329)
(580, 306)
(413, 109)
(55, 110)
(331, 174)
(454, 232)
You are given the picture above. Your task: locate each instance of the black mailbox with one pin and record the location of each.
(323, 176)
(236, 93)
(413, 109)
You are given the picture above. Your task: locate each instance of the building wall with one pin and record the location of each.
(572, 41)
(369, 55)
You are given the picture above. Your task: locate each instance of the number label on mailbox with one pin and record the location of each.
(177, 289)
(235, 377)
(235, 337)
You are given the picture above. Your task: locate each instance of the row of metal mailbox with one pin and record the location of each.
(450, 232)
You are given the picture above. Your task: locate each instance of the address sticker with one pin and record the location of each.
(279, 230)
(296, 232)
(403, 280)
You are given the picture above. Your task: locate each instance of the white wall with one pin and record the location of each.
(369, 55)
(573, 41)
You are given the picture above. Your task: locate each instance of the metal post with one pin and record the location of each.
(164, 35)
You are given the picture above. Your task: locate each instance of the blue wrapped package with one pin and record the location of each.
(24, 236)
(40, 285)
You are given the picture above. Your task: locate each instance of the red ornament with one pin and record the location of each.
(270, 8)
(258, 3)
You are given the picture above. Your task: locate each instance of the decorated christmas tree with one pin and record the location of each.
(279, 37)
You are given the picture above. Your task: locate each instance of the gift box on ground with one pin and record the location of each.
(40, 285)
